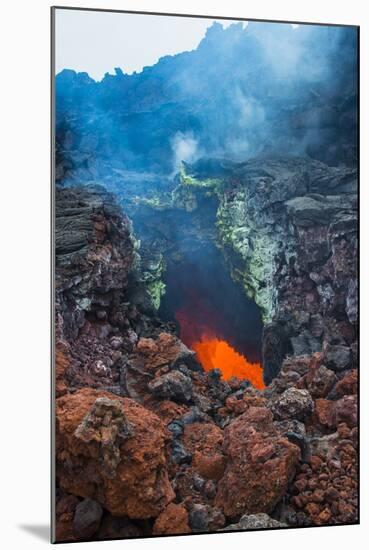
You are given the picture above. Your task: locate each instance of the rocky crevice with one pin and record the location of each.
(288, 231)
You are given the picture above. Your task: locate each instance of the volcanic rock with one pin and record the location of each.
(348, 385)
(64, 511)
(319, 381)
(173, 520)
(151, 355)
(204, 518)
(87, 518)
(293, 403)
(124, 470)
(165, 350)
(204, 442)
(346, 410)
(94, 254)
(169, 411)
(332, 413)
(119, 528)
(338, 358)
(326, 488)
(325, 412)
(255, 521)
(295, 432)
(213, 446)
(62, 363)
(260, 464)
(179, 453)
(352, 301)
(174, 385)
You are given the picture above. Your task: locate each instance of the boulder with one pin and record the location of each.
(87, 518)
(204, 442)
(167, 349)
(331, 413)
(293, 403)
(346, 410)
(150, 355)
(348, 385)
(319, 381)
(260, 464)
(325, 413)
(112, 450)
(174, 386)
(337, 358)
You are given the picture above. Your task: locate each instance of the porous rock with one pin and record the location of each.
(173, 520)
(205, 518)
(255, 521)
(260, 464)
(174, 385)
(293, 403)
(125, 472)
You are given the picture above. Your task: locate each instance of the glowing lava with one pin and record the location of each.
(218, 354)
(201, 329)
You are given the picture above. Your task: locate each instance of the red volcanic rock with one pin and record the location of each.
(326, 490)
(151, 358)
(111, 449)
(292, 371)
(64, 512)
(346, 410)
(168, 410)
(319, 381)
(348, 384)
(331, 413)
(173, 520)
(235, 406)
(325, 412)
(147, 347)
(239, 406)
(166, 349)
(62, 362)
(260, 464)
(204, 442)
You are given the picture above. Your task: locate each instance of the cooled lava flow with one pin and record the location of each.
(213, 352)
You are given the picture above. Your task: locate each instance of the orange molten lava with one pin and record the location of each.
(213, 351)
(218, 354)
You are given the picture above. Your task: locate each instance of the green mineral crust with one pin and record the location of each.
(248, 245)
(250, 250)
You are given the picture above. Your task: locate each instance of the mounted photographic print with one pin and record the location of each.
(205, 236)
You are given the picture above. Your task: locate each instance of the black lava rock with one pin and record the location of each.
(179, 454)
(87, 518)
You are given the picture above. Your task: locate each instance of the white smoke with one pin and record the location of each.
(185, 148)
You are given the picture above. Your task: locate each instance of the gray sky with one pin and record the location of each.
(97, 42)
